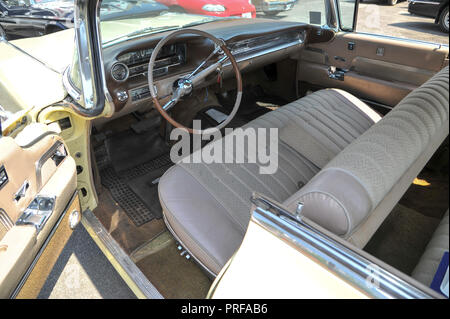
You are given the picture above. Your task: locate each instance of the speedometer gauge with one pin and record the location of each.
(119, 72)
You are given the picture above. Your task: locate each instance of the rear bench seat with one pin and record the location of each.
(348, 172)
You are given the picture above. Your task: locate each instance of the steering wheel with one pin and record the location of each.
(187, 83)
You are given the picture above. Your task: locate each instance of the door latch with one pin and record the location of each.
(38, 212)
(336, 73)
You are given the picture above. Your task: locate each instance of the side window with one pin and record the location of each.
(415, 19)
(305, 11)
(347, 13)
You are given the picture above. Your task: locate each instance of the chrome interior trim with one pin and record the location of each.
(105, 241)
(41, 250)
(338, 258)
(46, 156)
(70, 87)
(269, 50)
(85, 54)
(94, 94)
(38, 212)
(37, 139)
(388, 37)
(126, 68)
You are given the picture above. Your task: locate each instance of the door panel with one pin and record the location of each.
(36, 167)
(49, 254)
(380, 69)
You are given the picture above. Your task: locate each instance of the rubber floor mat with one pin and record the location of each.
(146, 188)
(132, 188)
(128, 149)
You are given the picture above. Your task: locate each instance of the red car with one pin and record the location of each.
(219, 8)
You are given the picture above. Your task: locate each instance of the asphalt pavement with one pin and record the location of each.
(83, 272)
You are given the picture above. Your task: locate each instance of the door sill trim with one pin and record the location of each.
(127, 269)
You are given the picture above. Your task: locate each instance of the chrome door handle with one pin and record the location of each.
(336, 73)
(22, 191)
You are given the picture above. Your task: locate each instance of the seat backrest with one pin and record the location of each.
(354, 193)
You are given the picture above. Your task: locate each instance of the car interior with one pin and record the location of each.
(362, 142)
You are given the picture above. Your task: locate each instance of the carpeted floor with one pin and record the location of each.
(173, 275)
(121, 227)
(429, 194)
(402, 238)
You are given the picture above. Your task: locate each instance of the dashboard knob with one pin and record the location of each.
(122, 96)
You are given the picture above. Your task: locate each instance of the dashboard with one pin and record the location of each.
(254, 43)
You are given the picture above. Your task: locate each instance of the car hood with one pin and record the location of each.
(34, 78)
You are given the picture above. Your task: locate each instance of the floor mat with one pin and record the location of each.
(146, 188)
(130, 183)
(127, 150)
(402, 238)
(122, 228)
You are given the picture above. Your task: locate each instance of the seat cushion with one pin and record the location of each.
(431, 258)
(207, 206)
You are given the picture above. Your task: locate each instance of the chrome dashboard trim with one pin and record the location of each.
(341, 259)
(267, 51)
(228, 64)
(242, 58)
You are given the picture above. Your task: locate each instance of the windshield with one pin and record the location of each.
(123, 19)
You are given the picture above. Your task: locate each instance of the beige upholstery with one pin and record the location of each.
(355, 182)
(348, 172)
(207, 206)
(428, 264)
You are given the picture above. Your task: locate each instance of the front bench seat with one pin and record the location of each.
(354, 193)
(207, 207)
